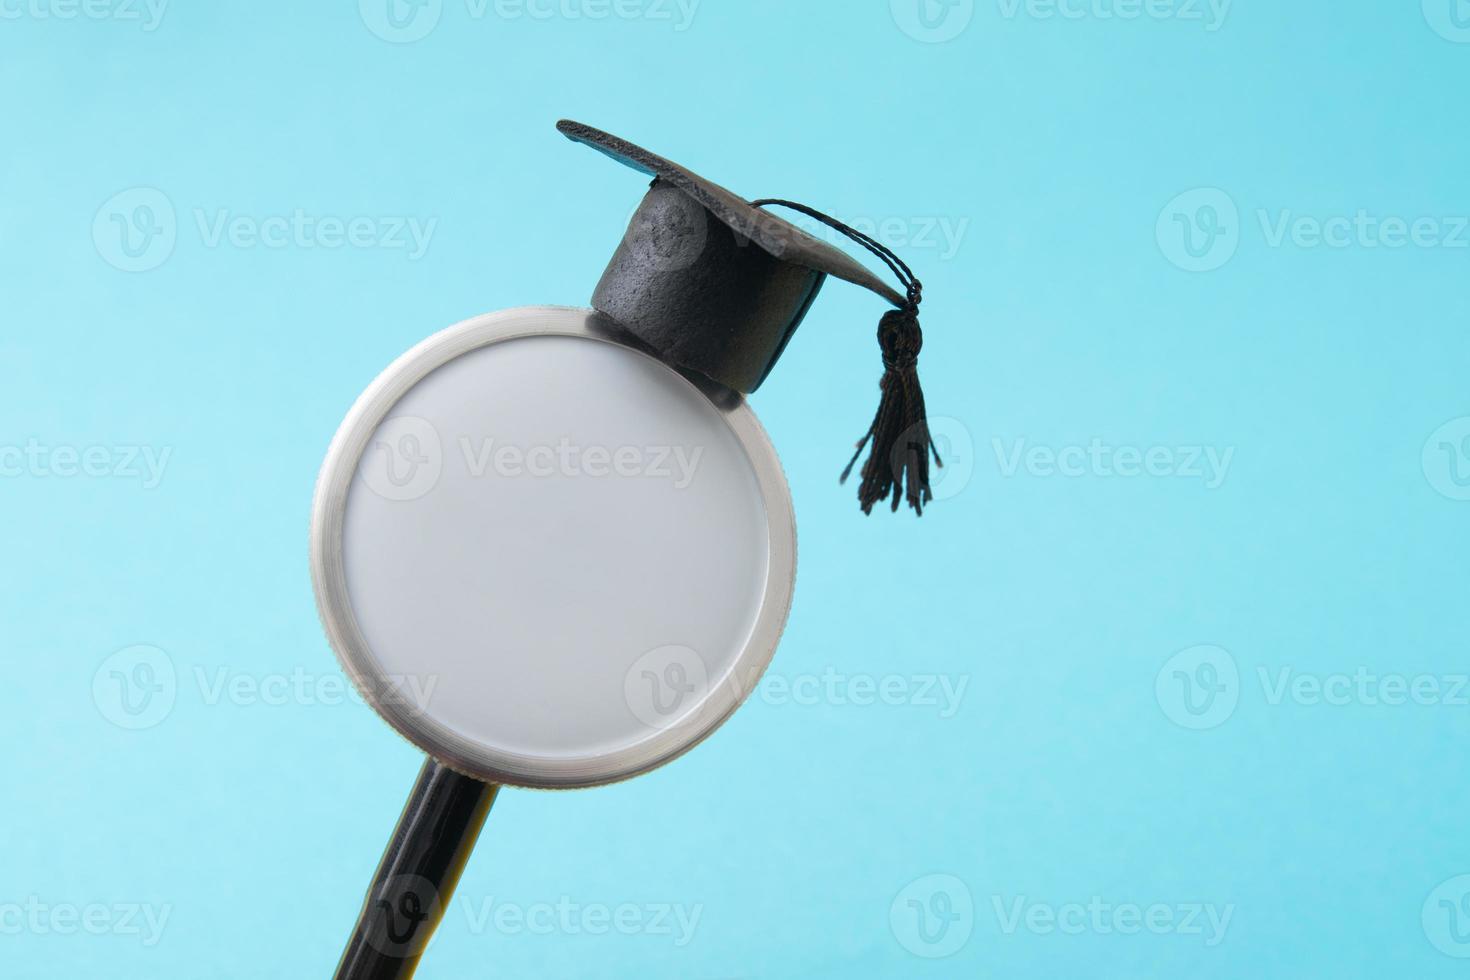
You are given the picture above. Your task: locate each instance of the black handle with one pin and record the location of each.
(417, 875)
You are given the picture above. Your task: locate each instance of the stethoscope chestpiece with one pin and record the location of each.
(546, 558)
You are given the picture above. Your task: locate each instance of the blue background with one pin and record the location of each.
(1335, 544)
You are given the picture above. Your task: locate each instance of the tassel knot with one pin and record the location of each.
(900, 337)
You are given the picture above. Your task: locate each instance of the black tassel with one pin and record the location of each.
(898, 466)
(899, 463)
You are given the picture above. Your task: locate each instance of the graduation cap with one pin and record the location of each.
(716, 284)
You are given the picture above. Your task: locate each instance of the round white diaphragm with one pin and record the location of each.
(547, 558)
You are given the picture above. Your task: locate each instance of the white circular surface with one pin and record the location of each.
(547, 558)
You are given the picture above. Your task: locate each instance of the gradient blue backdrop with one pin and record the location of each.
(1114, 178)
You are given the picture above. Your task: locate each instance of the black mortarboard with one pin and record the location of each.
(716, 284)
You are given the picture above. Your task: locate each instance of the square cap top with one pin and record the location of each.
(778, 237)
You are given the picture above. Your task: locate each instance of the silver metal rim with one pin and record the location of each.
(329, 579)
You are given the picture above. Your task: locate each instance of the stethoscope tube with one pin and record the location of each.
(418, 873)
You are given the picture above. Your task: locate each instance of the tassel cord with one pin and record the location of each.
(912, 287)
